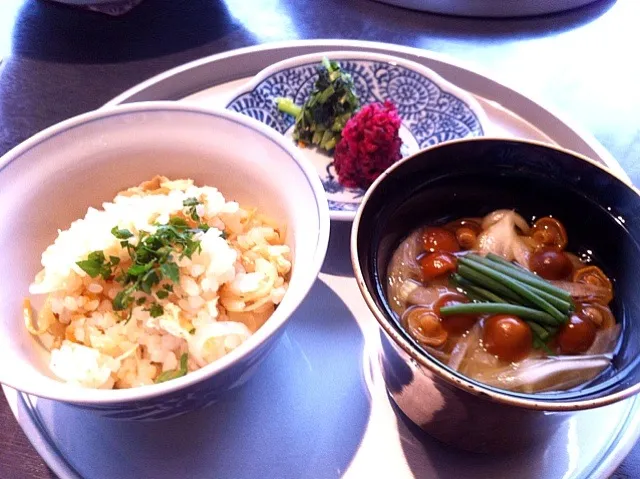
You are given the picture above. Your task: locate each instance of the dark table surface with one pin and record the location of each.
(61, 61)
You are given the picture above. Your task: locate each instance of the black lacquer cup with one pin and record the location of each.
(470, 178)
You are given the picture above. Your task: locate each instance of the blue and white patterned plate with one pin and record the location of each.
(432, 109)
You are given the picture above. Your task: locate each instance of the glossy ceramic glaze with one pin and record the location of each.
(88, 2)
(472, 178)
(432, 109)
(82, 162)
(493, 8)
(110, 7)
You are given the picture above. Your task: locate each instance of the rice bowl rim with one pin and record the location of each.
(304, 279)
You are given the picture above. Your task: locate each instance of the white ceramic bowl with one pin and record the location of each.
(52, 178)
(432, 109)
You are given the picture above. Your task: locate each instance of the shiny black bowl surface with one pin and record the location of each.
(471, 178)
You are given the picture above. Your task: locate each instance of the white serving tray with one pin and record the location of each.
(318, 406)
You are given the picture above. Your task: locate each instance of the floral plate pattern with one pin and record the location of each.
(432, 110)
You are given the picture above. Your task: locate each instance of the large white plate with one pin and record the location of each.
(318, 407)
